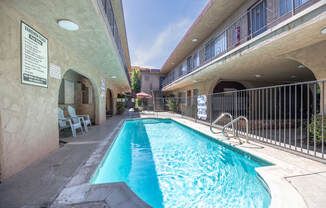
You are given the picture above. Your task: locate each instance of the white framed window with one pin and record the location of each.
(195, 59)
(184, 68)
(220, 44)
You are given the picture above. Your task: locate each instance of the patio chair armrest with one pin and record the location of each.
(85, 115)
(66, 120)
(81, 119)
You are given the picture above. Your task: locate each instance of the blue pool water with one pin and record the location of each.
(170, 165)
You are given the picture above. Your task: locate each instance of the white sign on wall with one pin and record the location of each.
(34, 57)
(55, 71)
(202, 107)
(102, 88)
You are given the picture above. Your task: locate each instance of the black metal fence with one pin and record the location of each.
(290, 116)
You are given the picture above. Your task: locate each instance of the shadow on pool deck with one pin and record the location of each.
(39, 184)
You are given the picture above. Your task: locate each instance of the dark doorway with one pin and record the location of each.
(226, 86)
(109, 103)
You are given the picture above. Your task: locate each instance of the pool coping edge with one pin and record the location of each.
(79, 189)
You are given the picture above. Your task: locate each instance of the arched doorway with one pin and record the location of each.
(227, 86)
(76, 91)
(224, 99)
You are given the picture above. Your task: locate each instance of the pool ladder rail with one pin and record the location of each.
(231, 123)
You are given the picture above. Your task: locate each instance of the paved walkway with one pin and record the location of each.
(39, 184)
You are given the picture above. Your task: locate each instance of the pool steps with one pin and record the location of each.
(231, 123)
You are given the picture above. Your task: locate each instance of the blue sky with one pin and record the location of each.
(155, 27)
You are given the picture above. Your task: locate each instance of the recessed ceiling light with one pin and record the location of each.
(258, 75)
(114, 77)
(301, 66)
(68, 25)
(293, 76)
(323, 31)
(194, 40)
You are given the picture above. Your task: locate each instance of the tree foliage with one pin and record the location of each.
(135, 81)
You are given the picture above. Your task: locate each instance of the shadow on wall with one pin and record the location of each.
(77, 91)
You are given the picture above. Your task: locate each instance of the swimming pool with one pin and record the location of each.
(170, 165)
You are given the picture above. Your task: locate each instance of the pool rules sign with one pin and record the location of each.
(202, 107)
(34, 57)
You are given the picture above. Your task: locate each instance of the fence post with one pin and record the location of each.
(211, 107)
(293, 7)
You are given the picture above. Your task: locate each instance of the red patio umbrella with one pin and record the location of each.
(143, 95)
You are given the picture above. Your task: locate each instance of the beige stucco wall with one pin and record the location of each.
(28, 114)
(153, 78)
(313, 57)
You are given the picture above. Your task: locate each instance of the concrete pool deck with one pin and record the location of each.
(62, 179)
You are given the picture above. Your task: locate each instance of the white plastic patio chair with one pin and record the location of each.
(84, 118)
(74, 125)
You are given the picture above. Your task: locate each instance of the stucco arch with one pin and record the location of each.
(245, 85)
(313, 57)
(96, 93)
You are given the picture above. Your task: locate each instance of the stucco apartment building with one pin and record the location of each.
(150, 79)
(54, 54)
(236, 45)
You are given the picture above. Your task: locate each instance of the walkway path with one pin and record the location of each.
(39, 184)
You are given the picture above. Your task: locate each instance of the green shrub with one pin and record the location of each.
(137, 103)
(318, 128)
(171, 104)
(120, 107)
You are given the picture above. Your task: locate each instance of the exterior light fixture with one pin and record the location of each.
(194, 81)
(258, 75)
(323, 31)
(68, 25)
(194, 40)
(114, 77)
(301, 66)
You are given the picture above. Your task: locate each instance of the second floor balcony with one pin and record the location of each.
(253, 23)
(109, 12)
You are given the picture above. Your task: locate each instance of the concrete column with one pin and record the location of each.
(114, 102)
(101, 117)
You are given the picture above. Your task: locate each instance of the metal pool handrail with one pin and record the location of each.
(236, 120)
(219, 118)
